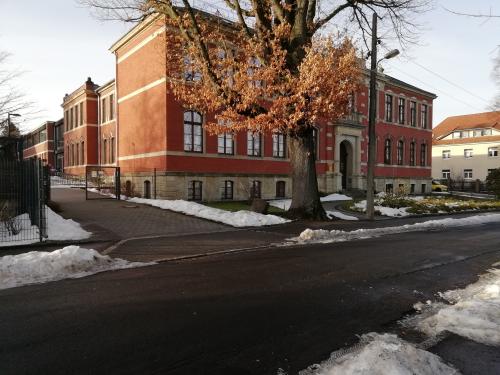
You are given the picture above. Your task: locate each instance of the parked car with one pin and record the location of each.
(438, 186)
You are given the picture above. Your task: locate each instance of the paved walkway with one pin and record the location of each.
(109, 219)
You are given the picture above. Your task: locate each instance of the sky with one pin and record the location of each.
(58, 44)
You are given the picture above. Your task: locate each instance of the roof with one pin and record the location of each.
(398, 82)
(483, 120)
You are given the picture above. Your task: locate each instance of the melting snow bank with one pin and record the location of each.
(381, 354)
(71, 262)
(284, 204)
(473, 312)
(341, 216)
(235, 219)
(325, 236)
(58, 229)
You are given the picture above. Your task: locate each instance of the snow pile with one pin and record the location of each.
(341, 215)
(325, 236)
(386, 211)
(382, 354)
(473, 312)
(58, 229)
(235, 219)
(72, 262)
(61, 229)
(284, 204)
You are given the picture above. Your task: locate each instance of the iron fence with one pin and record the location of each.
(461, 185)
(102, 182)
(64, 179)
(23, 213)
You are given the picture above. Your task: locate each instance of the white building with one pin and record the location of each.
(466, 147)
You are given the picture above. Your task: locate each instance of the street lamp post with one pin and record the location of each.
(372, 136)
(9, 115)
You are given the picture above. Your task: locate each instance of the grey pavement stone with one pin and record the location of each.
(110, 219)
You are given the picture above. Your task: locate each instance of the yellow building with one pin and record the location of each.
(466, 147)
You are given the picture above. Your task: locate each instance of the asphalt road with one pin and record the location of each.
(245, 313)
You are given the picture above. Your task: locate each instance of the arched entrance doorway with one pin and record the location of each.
(346, 167)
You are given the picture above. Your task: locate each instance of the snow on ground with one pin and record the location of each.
(325, 236)
(70, 262)
(386, 211)
(284, 204)
(341, 215)
(382, 354)
(235, 219)
(58, 229)
(473, 312)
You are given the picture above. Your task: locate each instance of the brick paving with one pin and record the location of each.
(109, 219)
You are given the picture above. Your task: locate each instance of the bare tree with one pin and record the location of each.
(283, 35)
(12, 99)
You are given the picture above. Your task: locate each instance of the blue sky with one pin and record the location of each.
(58, 44)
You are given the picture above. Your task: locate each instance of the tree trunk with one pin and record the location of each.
(306, 202)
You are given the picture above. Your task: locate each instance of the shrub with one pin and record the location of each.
(493, 182)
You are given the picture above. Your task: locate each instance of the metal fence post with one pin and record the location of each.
(154, 183)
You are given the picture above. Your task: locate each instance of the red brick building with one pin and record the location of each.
(39, 144)
(137, 124)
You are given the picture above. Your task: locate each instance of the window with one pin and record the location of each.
(412, 153)
(445, 174)
(147, 189)
(112, 106)
(493, 151)
(413, 114)
(387, 151)
(486, 132)
(225, 143)
(389, 189)
(423, 116)
(112, 150)
(194, 190)
(280, 189)
(457, 135)
(279, 143)
(468, 153)
(82, 153)
(255, 189)
(468, 174)
(227, 190)
(193, 137)
(316, 143)
(103, 111)
(77, 154)
(253, 66)
(423, 155)
(424, 188)
(190, 74)
(77, 113)
(412, 188)
(81, 113)
(104, 158)
(401, 111)
(71, 118)
(253, 144)
(446, 154)
(388, 108)
(400, 152)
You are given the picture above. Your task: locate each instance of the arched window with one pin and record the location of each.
(195, 190)
(227, 190)
(82, 153)
(255, 189)
(400, 152)
(412, 153)
(104, 155)
(147, 189)
(387, 151)
(280, 189)
(423, 155)
(193, 131)
(128, 188)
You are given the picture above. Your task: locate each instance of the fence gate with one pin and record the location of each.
(23, 213)
(102, 182)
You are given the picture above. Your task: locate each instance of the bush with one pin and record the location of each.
(493, 182)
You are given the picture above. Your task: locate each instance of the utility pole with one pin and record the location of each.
(372, 138)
